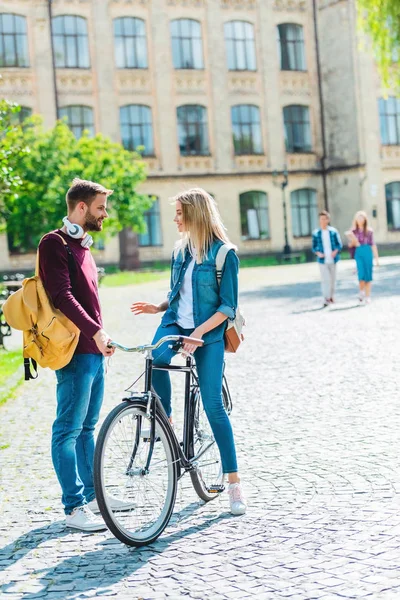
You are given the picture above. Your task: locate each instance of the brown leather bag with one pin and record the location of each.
(233, 336)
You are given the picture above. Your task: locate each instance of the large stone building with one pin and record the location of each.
(222, 94)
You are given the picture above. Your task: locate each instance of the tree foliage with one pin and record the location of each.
(380, 20)
(10, 149)
(55, 158)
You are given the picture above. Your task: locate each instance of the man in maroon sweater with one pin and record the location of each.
(70, 278)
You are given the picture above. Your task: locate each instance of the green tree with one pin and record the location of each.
(55, 158)
(10, 150)
(380, 20)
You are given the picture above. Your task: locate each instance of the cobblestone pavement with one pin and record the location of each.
(317, 423)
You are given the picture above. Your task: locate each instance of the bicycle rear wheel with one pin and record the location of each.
(121, 455)
(207, 477)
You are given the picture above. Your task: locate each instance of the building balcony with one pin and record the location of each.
(302, 161)
(16, 81)
(74, 82)
(251, 162)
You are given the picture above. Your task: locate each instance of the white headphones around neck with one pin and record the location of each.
(76, 232)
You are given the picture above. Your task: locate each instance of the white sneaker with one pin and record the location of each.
(113, 502)
(237, 499)
(82, 518)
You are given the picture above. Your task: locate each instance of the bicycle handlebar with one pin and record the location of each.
(182, 339)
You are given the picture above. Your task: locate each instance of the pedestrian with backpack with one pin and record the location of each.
(68, 272)
(199, 305)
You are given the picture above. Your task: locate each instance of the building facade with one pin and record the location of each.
(240, 97)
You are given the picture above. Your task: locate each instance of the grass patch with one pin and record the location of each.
(132, 278)
(10, 364)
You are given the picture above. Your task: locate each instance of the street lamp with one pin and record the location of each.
(282, 184)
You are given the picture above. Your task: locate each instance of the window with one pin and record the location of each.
(19, 117)
(291, 43)
(187, 45)
(192, 130)
(304, 212)
(246, 129)
(240, 46)
(254, 217)
(153, 236)
(392, 191)
(70, 41)
(389, 114)
(13, 41)
(130, 43)
(79, 119)
(297, 128)
(137, 128)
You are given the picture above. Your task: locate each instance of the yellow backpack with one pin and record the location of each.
(49, 337)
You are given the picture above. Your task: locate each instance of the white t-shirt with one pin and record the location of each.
(326, 242)
(185, 304)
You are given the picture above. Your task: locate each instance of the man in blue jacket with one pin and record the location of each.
(326, 245)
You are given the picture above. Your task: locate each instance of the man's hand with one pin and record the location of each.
(102, 338)
(139, 308)
(198, 334)
(334, 253)
(320, 254)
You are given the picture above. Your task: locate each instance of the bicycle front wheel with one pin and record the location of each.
(135, 503)
(207, 476)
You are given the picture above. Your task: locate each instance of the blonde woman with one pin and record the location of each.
(198, 307)
(363, 249)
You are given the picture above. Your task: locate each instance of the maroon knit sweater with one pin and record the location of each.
(74, 293)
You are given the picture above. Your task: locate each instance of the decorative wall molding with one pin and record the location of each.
(390, 156)
(295, 83)
(190, 83)
(250, 163)
(239, 4)
(130, 2)
(187, 3)
(74, 82)
(290, 5)
(243, 83)
(73, 2)
(153, 165)
(195, 163)
(16, 83)
(302, 161)
(138, 81)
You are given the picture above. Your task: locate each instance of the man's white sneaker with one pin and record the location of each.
(113, 502)
(82, 518)
(237, 499)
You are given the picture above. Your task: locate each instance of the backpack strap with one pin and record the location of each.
(220, 259)
(71, 261)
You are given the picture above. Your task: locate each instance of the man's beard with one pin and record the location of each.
(91, 223)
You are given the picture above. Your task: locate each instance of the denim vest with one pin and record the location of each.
(208, 296)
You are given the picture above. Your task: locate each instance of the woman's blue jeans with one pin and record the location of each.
(80, 389)
(209, 363)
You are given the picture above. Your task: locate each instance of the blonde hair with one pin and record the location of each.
(363, 214)
(202, 222)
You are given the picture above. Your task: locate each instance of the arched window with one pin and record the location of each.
(297, 128)
(130, 43)
(153, 236)
(79, 119)
(304, 212)
(13, 41)
(291, 44)
(240, 46)
(246, 129)
(187, 44)
(389, 116)
(137, 128)
(192, 130)
(70, 38)
(392, 192)
(254, 218)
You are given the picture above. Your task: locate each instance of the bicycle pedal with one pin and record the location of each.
(216, 489)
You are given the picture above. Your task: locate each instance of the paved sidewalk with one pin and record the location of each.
(317, 423)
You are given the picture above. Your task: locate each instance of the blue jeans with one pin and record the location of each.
(209, 363)
(80, 389)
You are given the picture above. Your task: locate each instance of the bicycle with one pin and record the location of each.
(139, 459)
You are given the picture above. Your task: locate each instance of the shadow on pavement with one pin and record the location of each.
(108, 569)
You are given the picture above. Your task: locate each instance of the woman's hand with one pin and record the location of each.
(198, 334)
(144, 308)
